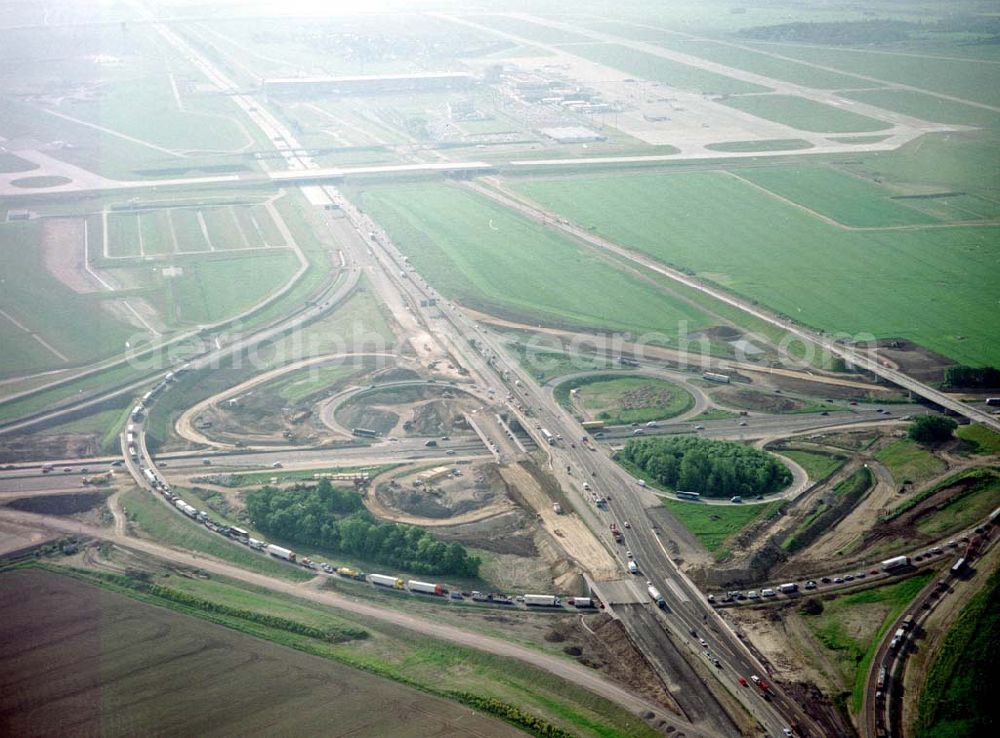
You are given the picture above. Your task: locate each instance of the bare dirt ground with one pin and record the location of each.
(920, 363)
(796, 660)
(45, 446)
(831, 545)
(571, 533)
(479, 492)
(63, 254)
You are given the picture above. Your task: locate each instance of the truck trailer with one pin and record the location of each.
(384, 580)
(655, 595)
(281, 553)
(425, 587)
(541, 600)
(897, 562)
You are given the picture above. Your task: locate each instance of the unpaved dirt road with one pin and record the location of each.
(563, 668)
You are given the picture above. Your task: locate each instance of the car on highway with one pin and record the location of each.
(628, 554)
(838, 580)
(755, 679)
(743, 682)
(699, 427)
(810, 584)
(702, 641)
(626, 524)
(826, 580)
(753, 594)
(849, 578)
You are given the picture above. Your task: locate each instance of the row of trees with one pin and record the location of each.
(972, 377)
(335, 520)
(711, 468)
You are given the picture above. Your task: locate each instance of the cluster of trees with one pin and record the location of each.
(711, 468)
(335, 520)
(932, 428)
(971, 377)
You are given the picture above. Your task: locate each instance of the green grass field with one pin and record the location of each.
(145, 109)
(817, 465)
(774, 144)
(739, 58)
(187, 228)
(927, 107)
(527, 29)
(852, 626)
(907, 460)
(970, 80)
(659, 69)
(619, 400)
(958, 514)
(489, 258)
(982, 439)
(843, 197)
(74, 324)
(214, 288)
(956, 698)
(821, 275)
(716, 525)
(162, 524)
(805, 114)
(123, 234)
(13, 163)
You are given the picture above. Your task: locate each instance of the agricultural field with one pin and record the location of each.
(131, 664)
(491, 259)
(622, 400)
(822, 275)
(716, 526)
(665, 71)
(805, 115)
(180, 230)
(847, 199)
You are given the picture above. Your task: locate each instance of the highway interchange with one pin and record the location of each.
(673, 638)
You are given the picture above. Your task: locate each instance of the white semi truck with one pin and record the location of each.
(541, 600)
(281, 553)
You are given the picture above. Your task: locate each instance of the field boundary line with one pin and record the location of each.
(200, 214)
(62, 357)
(112, 132)
(86, 248)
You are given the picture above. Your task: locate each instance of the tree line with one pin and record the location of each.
(336, 520)
(711, 468)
